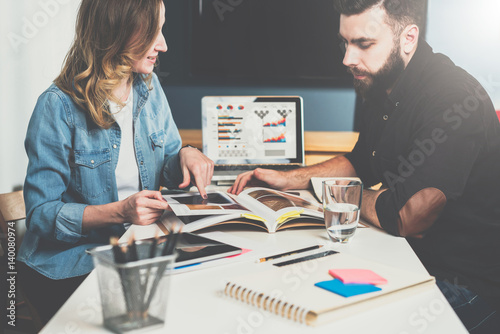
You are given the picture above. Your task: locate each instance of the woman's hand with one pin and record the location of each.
(196, 167)
(143, 208)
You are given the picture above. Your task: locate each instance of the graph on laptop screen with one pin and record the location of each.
(252, 130)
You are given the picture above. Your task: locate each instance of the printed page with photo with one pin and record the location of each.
(262, 207)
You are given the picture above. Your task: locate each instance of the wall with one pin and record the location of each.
(34, 38)
(325, 109)
(469, 33)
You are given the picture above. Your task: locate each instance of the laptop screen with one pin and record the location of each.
(252, 129)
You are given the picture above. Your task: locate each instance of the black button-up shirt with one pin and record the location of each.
(434, 143)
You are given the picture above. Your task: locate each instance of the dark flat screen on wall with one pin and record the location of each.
(275, 39)
(253, 41)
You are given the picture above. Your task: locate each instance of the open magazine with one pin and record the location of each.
(269, 209)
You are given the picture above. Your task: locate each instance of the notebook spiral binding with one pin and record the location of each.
(266, 302)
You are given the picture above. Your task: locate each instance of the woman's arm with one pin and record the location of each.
(182, 166)
(142, 208)
(49, 147)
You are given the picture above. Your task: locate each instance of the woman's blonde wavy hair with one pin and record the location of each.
(110, 36)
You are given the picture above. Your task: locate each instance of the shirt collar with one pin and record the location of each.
(140, 87)
(410, 77)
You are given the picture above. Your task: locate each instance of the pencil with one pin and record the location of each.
(134, 277)
(152, 254)
(154, 244)
(168, 249)
(132, 249)
(277, 256)
(120, 258)
(117, 253)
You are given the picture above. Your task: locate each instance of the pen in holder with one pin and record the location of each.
(133, 283)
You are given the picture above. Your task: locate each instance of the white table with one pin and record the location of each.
(195, 304)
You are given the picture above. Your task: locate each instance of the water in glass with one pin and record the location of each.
(341, 220)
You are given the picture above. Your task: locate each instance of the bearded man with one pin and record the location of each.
(430, 135)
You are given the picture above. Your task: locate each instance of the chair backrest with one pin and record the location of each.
(11, 209)
(12, 206)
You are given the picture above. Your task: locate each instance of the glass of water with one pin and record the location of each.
(341, 205)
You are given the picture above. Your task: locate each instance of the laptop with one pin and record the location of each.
(241, 133)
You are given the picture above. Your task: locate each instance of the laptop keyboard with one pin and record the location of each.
(240, 168)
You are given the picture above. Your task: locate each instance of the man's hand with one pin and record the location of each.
(261, 177)
(299, 178)
(196, 166)
(143, 208)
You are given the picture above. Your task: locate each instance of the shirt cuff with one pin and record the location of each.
(386, 212)
(172, 171)
(69, 223)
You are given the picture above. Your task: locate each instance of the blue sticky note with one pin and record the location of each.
(347, 290)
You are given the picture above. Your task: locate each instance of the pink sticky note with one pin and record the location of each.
(359, 276)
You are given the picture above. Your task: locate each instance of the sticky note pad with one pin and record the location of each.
(346, 290)
(359, 276)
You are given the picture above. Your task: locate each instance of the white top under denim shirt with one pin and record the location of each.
(126, 171)
(72, 164)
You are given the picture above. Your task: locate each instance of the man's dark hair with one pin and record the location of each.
(400, 13)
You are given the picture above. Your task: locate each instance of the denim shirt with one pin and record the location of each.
(72, 164)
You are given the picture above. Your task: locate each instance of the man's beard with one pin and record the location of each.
(378, 83)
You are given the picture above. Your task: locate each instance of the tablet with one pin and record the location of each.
(192, 249)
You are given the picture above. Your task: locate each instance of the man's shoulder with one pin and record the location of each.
(440, 90)
(441, 77)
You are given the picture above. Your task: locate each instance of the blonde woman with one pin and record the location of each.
(100, 143)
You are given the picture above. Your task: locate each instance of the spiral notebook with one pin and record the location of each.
(290, 291)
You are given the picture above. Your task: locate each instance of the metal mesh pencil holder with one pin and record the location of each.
(134, 294)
